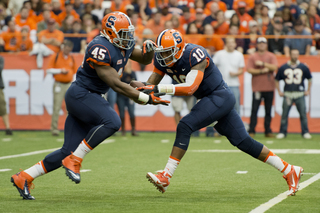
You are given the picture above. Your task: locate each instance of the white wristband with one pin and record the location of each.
(143, 97)
(169, 89)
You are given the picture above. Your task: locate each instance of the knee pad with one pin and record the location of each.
(183, 136)
(251, 147)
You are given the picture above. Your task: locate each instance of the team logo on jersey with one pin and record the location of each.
(119, 61)
(169, 71)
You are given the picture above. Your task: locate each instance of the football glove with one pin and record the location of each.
(155, 100)
(149, 89)
(148, 46)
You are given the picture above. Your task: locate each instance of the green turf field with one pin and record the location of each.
(116, 182)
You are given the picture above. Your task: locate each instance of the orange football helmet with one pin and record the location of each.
(118, 29)
(170, 47)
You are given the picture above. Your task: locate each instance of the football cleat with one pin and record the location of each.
(159, 180)
(293, 178)
(72, 166)
(23, 182)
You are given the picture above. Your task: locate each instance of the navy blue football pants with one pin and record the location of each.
(90, 117)
(219, 106)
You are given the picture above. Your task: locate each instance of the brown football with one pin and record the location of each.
(136, 84)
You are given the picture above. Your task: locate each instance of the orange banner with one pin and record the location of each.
(28, 93)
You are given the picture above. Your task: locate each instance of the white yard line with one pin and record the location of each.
(266, 206)
(276, 151)
(29, 153)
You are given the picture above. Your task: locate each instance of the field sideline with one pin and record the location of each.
(212, 177)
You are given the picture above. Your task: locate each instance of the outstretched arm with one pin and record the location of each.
(144, 55)
(110, 76)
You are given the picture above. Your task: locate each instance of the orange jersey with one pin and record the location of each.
(222, 6)
(52, 15)
(244, 23)
(24, 45)
(30, 22)
(58, 61)
(63, 15)
(56, 34)
(121, 7)
(214, 43)
(222, 29)
(250, 4)
(10, 40)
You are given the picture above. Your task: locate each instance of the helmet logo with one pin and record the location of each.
(177, 36)
(110, 21)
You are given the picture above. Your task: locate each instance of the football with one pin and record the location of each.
(136, 84)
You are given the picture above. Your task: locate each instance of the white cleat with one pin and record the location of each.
(280, 136)
(159, 180)
(307, 136)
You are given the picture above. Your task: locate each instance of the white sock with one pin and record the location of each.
(278, 163)
(83, 149)
(36, 170)
(171, 165)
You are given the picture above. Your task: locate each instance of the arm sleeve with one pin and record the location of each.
(274, 60)
(250, 64)
(307, 73)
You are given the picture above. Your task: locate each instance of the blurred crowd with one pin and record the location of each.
(204, 22)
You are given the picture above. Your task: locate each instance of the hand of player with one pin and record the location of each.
(148, 46)
(148, 89)
(155, 100)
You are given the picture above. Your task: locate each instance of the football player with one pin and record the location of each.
(192, 67)
(91, 119)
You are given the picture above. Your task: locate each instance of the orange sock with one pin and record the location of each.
(277, 163)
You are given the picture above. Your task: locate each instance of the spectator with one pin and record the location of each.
(287, 18)
(276, 28)
(221, 5)
(186, 18)
(24, 43)
(176, 24)
(137, 26)
(234, 31)
(302, 44)
(293, 73)
(79, 43)
(221, 27)
(192, 34)
(67, 24)
(10, 37)
(67, 11)
(230, 62)
(36, 6)
(46, 7)
(155, 23)
(305, 22)
(212, 17)
(3, 105)
(142, 8)
(199, 19)
(125, 102)
(265, 18)
(87, 11)
(51, 37)
(97, 9)
(88, 23)
(46, 16)
(244, 17)
(211, 41)
(261, 65)
(294, 10)
(256, 9)
(168, 25)
(250, 44)
(249, 4)
(78, 6)
(4, 17)
(119, 5)
(56, 7)
(62, 65)
(313, 17)
(23, 19)
(175, 8)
